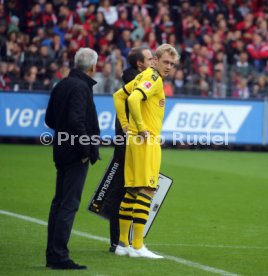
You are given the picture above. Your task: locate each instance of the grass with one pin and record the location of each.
(215, 215)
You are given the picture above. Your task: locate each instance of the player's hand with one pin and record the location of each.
(84, 160)
(145, 134)
(125, 129)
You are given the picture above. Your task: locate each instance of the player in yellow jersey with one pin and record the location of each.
(146, 100)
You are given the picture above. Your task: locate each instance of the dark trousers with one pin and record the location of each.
(117, 194)
(69, 186)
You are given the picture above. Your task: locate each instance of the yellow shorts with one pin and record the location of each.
(142, 162)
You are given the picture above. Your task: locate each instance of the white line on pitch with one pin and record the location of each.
(210, 245)
(199, 266)
(89, 236)
(41, 222)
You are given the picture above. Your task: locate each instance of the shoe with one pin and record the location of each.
(65, 265)
(122, 250)
(144, 253)
(112, 248)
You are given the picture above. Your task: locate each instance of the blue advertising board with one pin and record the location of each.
(186, 120)
(265, 132)
(22, 114)
(233, 121)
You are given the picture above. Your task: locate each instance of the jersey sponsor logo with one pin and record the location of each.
(139, 77)
(147, 85)
(162, 103)
(206, 118)
(155, 75)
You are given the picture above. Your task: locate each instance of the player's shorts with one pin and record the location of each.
(142, 163)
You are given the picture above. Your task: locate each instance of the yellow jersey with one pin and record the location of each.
(146, 101)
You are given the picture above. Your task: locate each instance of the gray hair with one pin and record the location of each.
(85, 58)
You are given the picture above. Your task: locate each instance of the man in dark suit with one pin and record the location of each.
(72, 114)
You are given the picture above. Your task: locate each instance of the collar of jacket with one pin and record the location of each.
(129, 74)
(81, 75)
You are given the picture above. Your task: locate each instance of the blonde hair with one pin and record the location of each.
(167, 48)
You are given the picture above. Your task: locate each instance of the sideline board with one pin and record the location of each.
(100, 203)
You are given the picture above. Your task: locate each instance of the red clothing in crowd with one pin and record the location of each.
(123, 24)
(258, 51)
(49, 19)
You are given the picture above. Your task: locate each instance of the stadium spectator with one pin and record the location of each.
(219, 89)
(55, 49)
(226, 28)
(244, 68)
(72, 17)
(110, 12)
(148, 26)
(14, 72)
(61, 73)
(85, 39)
(5, 80)
(117, 58)
(260, 89)
(123, 23)
(14, 24)
(89, 15)
(16, 54)
(261, 26)
(30, 81)
(258, 51)
(139, 7)
(168, 88)
(246, 27)
(241, 89)
(125, 43)
(179, 83)
(34, 19)
(138, 32)
(172, 40)
(31, 56)
(43, 61)
(150, 41)
(105, 80)
(3, 38)
(61, 29)
(49, 18)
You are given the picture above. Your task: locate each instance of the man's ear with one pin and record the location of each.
(139, 64)
(155, 60)
(93, 69)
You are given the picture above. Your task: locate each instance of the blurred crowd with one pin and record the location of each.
(223, 43)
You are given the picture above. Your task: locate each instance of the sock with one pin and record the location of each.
(141, 211)
(125, 218)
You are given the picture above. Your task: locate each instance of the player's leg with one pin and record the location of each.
(141, 210)
(147, 166)
(54, 209)
(116, 196)
(126, 207)
(125, 216)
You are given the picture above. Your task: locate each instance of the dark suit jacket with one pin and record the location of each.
(71, 110)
